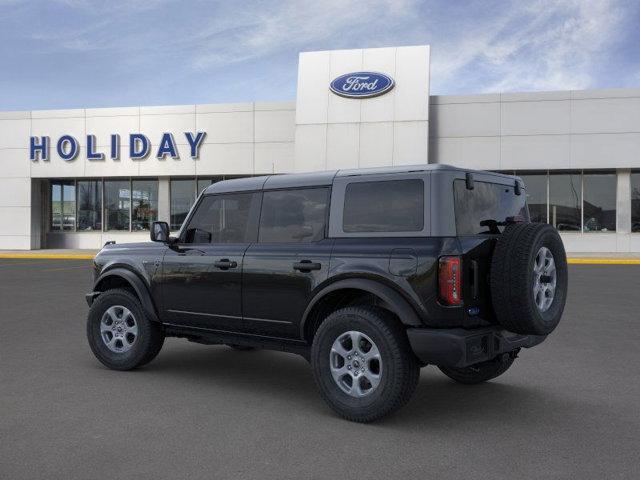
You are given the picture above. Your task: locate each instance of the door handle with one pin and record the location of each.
(225, 264)
(306, 266)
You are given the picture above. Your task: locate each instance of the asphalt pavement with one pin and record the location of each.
(569, 408)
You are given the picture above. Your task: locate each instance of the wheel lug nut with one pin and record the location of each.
(363, 369)
(348, 367)
(348, 357)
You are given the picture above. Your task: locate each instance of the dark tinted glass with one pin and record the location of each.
(486, 208)
(89, 205)
(294, 215)
(387, 206)
(183, 194)
(225, 219)
(565, 197)
(536, 190)
(117, 203)
(635, 202)
(600, 202)
(145, 204)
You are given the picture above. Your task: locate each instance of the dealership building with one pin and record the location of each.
(79, 178)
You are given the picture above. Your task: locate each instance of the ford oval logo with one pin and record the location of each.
(361, 84)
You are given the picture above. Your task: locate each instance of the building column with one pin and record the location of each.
(623, 202)
(164, 208)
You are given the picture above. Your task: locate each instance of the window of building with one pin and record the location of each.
(182, 196)
(117, 204)
(63, 205)
(565, 201)
(536, 190)
(486, 208)
(599, 202)
(89, 193)
(385, 206)
(635, 202)
(228, 218)
(297, 215)
(144, 208)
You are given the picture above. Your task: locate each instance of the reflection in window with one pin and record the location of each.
(63, 205)
(228, 218)
(536, 190)
(385, 206)
(144, 209)
(599, 202)
(117, 203)
(294, 215)
(635, 202)
(89, 205)
(565, 197)
(183, 194)
(486, 208)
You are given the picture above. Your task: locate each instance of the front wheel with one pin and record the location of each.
(363, 364)
(120, 334)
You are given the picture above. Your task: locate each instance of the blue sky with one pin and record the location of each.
(81, 53)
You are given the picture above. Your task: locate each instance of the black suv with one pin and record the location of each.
(369, 274)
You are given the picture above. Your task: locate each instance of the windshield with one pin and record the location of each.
(486, 208)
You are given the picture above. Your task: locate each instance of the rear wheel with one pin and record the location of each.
(363, 364)
(480, 372)
(120, 334)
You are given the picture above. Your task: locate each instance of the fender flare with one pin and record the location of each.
(137, 284)
(397, 303)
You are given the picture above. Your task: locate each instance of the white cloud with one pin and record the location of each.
(540, 45)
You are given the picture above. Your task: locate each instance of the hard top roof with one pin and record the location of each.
(324, 178)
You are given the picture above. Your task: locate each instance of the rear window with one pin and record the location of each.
(486, 208)
(384, 206)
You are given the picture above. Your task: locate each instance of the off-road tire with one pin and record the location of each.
(480, 372)
(400, 369)
(150, 334)
(512, 277)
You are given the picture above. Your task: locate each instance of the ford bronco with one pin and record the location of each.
(370, 274)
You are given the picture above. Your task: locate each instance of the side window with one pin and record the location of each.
(384, 206)
(294, 215)
(230, 218)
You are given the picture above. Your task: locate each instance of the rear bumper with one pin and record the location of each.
(457, 347)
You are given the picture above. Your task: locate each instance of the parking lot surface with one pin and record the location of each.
(569, 408)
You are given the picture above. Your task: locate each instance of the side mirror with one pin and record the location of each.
(159, 232)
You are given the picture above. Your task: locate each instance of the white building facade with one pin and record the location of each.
(78, 178)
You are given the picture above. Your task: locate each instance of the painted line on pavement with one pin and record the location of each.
(603, 261)
(49, 256)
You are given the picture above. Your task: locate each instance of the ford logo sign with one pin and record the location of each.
(361, 84)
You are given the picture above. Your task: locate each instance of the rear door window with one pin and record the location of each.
(294, 216)
(486, 208)
(384, 206)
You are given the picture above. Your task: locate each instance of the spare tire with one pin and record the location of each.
(528, 278)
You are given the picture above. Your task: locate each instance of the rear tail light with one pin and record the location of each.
(449, 281)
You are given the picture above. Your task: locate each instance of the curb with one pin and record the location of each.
(603, 261)
(48, 256)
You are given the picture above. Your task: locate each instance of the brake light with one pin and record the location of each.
(449, 280)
